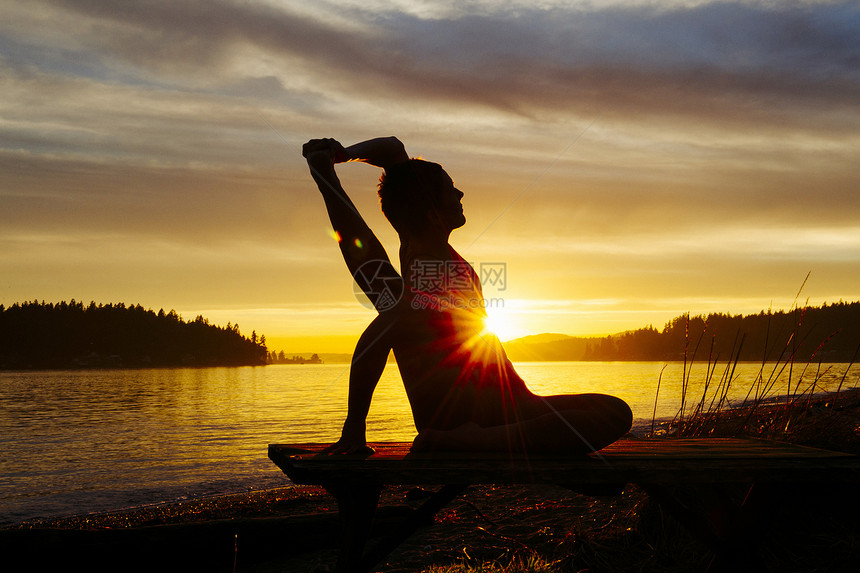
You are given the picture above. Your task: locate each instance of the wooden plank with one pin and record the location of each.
(705, 460)
(689, 448)
(576, 473)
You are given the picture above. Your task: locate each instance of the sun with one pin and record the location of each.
(501, 324)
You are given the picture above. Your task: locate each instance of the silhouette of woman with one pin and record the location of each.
(463, 390)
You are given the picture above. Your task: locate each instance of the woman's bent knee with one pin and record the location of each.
(620, 413)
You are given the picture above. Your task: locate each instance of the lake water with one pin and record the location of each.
(74, 442)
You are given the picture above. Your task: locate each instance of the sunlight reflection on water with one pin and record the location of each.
(82, 441)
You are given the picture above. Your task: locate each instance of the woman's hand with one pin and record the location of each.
(326, 146)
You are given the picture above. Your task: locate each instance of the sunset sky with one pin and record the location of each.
(628, 161)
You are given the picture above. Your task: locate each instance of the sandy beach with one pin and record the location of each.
(294, 529)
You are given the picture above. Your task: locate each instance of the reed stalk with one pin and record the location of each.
(656, 395)
(844, 374)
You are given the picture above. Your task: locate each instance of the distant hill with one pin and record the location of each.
(545, 347)
(539, 338)
(40, 335)
(336, 358)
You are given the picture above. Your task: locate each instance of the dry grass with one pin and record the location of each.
(798, 412)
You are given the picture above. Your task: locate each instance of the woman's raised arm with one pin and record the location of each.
(382, 152)
(358, 245)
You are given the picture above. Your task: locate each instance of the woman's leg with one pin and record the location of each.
(574, 424)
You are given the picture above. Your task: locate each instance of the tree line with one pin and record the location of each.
(829, 333)
(40, 335)
(282, 358)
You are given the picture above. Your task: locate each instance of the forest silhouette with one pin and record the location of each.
(40, 335)
(829, 333)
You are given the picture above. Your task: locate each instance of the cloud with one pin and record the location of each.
(152, 81)
(834, 244)
(83, 74)
(766, 63)
(715, 62)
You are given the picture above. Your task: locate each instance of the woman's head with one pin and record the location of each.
(417, 194)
